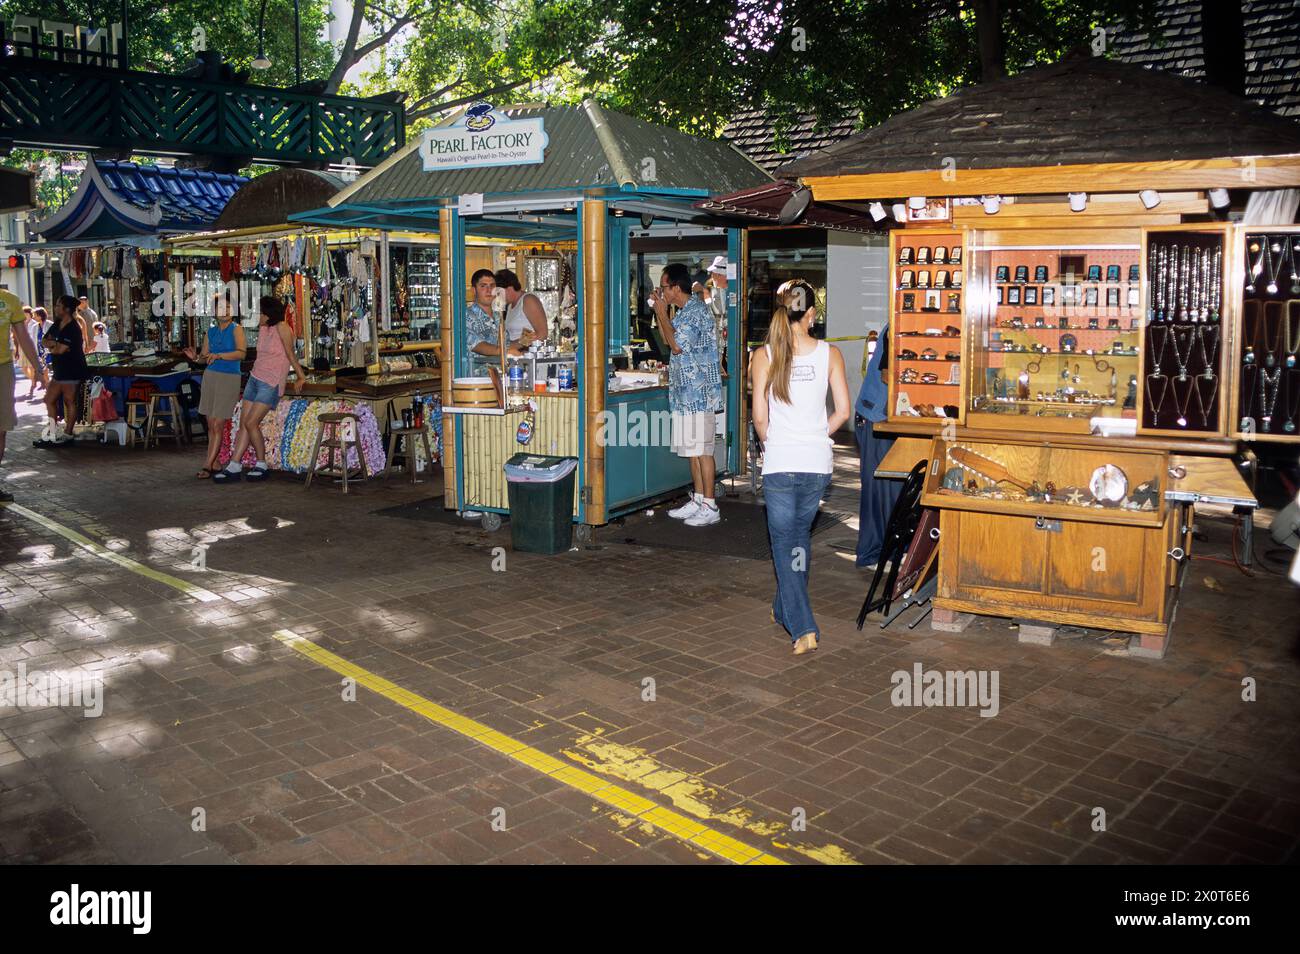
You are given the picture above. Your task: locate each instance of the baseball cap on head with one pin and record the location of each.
(719, 265)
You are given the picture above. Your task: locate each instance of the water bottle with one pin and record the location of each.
(517, 385)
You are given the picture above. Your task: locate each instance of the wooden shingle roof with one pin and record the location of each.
(1083, 110)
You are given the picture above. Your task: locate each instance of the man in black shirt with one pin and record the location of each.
(65, 343)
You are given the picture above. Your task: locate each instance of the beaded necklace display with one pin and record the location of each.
(1268, 388)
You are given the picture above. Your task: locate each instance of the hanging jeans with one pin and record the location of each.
(878, 497)
(792, 500)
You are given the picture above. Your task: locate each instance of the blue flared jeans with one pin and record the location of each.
(792, 500)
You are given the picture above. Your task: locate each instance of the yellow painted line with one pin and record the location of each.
(671, 822)
(665, 819)
(104, 553)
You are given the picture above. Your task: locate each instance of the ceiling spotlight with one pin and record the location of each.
(991, 204)
(1150, 198)
(1219, 198)
(877, 210)
(899, 212)
(618, 213)
(1078, 201)
(796, 206)
(647, 220)
(916, 203)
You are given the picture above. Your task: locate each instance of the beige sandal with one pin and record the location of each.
(805, 644)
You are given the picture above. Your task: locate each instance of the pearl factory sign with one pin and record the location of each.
(481, 139)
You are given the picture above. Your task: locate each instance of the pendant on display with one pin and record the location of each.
(1289, 427)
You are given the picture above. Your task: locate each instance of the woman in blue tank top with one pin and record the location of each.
(223, 349)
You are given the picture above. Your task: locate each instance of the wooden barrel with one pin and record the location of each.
(473, 392)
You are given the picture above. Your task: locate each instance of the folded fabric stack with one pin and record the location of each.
(290, 433)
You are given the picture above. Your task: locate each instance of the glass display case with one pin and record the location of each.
(1055, 333)
(925, 340)
(1267, 392)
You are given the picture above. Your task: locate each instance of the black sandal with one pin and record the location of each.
(256, 473)
(224, 476)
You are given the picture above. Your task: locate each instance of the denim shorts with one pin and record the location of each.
(259, 392)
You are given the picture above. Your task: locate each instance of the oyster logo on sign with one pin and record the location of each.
(483, 139)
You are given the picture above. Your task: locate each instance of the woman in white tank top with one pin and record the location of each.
(791, 375)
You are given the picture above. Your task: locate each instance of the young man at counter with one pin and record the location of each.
(694, 388)
(482, 332)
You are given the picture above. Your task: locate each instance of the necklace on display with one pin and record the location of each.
(1160, 334)
(1295, 278)
(1156, 402)
(1292, 400)
(1171, 282)
(1272, 342)
(1216, 284)
(1206, 404)
(1250, 315)
(1292, 340)
(1181, 404)
(1209, 351)
(1179, 356)
(1153, 269)
(1255, 248)
(1184, 280)
(1248, 392)
(1268, 388)
(1198, 288)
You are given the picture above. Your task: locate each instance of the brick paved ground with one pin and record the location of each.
(204, 709)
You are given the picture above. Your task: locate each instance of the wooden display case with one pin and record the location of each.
(1105, 550)
(1265, 381)
(1188, 330)
(927, 317)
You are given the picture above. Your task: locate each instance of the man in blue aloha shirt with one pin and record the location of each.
(482, 330)
(694, 388)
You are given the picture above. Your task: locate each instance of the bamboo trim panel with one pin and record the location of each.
(593, 357)
(490, 442)
(447, 358)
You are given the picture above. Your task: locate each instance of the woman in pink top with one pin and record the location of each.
(262, 393)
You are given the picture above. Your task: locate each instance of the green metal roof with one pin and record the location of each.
(588, 147)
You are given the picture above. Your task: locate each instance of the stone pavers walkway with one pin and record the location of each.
(208, 716)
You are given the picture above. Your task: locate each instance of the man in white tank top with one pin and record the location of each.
(525, 317)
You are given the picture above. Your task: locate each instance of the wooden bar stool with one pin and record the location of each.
(173, 416)
(333, 434)
(137, 421)
(408, 456)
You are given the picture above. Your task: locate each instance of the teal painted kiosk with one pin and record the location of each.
(587, 206)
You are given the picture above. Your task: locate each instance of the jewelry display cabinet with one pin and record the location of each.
(1186, 331)
(926, 382)
(1054, 332)
(1266, 395)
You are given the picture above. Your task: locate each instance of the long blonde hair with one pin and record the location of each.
(780, 345)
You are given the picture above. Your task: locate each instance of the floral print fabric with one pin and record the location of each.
(694, 376)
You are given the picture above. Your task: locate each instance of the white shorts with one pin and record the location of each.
(692, 434)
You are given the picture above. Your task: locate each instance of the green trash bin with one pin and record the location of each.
(541, 502)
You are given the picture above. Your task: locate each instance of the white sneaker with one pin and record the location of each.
(705, 517)
(688, 509)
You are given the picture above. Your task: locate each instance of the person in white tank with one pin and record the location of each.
(525, 317)
(791, 375)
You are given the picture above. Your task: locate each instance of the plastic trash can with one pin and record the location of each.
(541, 502)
